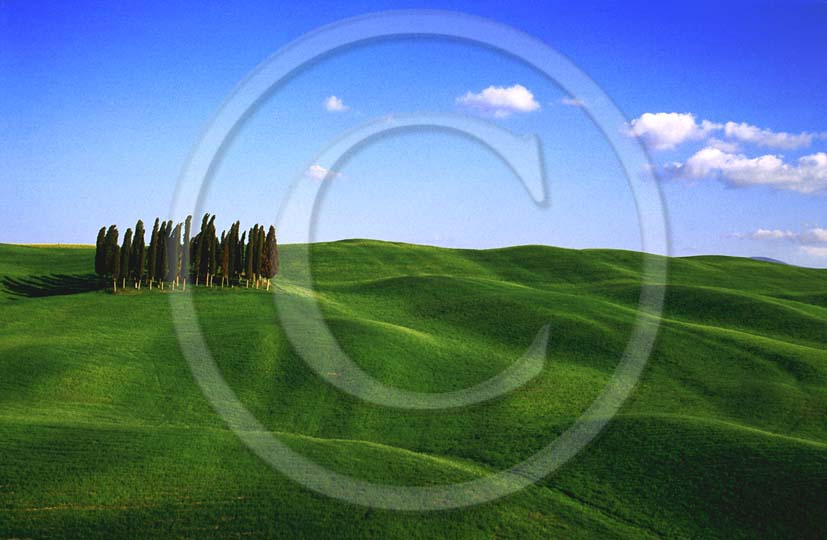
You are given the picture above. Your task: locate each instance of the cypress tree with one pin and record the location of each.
(205, 242)
(173, 246)
(213, 258)
(179, 253)
(254, 254)
(185, 250)
(152, 264)
(236, 253)
(248, 257)
(116, 266)
(232, 239)
(162, 270)
(260, 252)
(212, 248)
(225, 259)
(110, 245)
(126, 256)
(195, 253)
(138, 254)
(100, 252)
(240, 252)
(271, 255)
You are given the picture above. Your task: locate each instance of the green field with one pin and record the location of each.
(105, 434)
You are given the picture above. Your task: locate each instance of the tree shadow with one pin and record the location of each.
(52, 285)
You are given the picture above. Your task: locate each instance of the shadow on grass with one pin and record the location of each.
(52, 285)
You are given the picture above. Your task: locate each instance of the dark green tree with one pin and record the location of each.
(232, 240)
(173, 253)
(256, 253)
(225, 259)
(248, 257)
(110, 245)
(260, 252)
(271, 256)
(116, 266)
(212, 255)
(163, 268)
(186, 250)
(100, 252)
(126, 257)
(204, 242)
(138, 254)
(152, 263)
(195, 254)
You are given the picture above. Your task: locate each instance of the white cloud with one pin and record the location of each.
(726, 146)
(500, 101)
(815, 251)
(807, 175)
(317, 172)
(572, 102)
(816, 235)
(334, 104)
(765, 137)
(664, 131)
(772, 234)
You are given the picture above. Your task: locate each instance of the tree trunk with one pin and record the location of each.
(185, 284)
(114, 285)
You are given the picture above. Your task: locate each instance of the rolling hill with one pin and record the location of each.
(104, 433)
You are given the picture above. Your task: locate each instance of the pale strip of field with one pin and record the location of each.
(56, 245)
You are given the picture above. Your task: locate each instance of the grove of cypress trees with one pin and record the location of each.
(174, 255)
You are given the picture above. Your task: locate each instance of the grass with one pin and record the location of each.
(104, 433)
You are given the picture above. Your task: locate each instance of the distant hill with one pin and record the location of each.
(104, 434)
(768, 259)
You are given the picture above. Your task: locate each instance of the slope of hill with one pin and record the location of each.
(104, 433)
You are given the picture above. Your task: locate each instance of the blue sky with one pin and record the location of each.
(100, 105)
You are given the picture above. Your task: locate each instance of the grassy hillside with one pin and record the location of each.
(104, 434)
